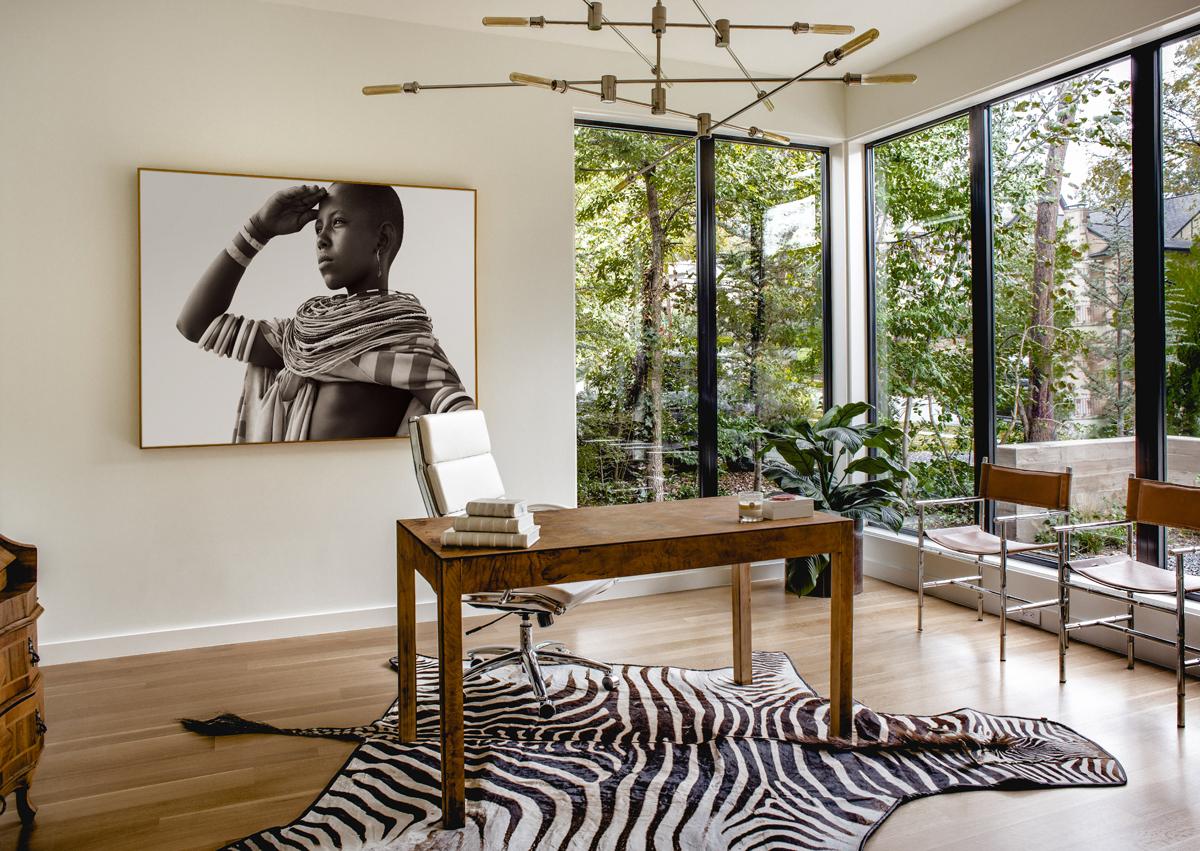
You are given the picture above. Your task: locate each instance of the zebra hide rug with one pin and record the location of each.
(672, 758)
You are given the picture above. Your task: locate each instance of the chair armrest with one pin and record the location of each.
(925, 503)
(1183, 551)
(1099, 524)
(547, 506)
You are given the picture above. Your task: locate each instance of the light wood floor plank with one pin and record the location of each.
(118, 772)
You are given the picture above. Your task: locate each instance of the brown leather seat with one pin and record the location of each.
(973, 540)
(1126, 574)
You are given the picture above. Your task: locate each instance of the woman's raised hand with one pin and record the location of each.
(288, 210)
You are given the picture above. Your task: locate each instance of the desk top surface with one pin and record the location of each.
(606, 525)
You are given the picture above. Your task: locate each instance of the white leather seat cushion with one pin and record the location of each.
(459, 434)
(455, 483)
(976, 542)
(1124, 573)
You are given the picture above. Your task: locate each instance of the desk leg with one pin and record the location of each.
(451, 680)
(841, 637)
(406, 649)
(739, 581)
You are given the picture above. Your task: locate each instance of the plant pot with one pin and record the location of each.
(824, 584)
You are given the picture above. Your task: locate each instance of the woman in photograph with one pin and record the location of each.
(353, 364)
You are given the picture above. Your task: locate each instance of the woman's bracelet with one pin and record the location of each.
(246, 243)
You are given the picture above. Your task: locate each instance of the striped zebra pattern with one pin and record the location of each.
(672, 758)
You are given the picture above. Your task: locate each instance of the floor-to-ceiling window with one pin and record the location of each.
(639, 302)
(635, 317)
(920, 218)
(1064, 197)
(770, 305)
(1181, 244)
(1063, 288)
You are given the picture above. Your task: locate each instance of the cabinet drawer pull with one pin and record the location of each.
(39, 723)
(34, 657)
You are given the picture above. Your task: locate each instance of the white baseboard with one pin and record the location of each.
(184, 638)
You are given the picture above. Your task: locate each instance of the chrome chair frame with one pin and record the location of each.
(527, 603)
(974, 582)
(1125, 623)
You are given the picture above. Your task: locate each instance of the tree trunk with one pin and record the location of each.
(758, 280)
(1120, 404)
(653, 296)
(1041, 423)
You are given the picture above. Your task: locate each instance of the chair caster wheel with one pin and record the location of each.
(546, 710)
(608, 682)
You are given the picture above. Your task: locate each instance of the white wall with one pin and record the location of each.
(151, 549)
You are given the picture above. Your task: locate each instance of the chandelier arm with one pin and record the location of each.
(692, 80)
(688, 25)
(745, 73)
(616, 29)
(849, 79)
(576, 88)
(831, 58)
(773, 91)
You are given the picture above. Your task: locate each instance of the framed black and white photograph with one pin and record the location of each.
(300, 309)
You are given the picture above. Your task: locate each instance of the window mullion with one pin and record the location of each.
(983, 348)
(1149, 302)
(706, 313)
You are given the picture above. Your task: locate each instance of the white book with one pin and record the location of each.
(501, 506)
(453, 538)
(467, 523)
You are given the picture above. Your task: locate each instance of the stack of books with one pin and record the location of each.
(499, 522)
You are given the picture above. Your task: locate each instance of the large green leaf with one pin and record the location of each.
(850, 438)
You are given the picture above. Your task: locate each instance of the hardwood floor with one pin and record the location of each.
(119, 773)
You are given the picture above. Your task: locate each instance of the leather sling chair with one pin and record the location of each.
(1049, 491)
(1133, 583)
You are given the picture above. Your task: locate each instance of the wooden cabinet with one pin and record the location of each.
(22, 709)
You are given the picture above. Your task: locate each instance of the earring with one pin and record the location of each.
(378, 263)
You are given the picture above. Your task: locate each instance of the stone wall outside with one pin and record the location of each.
(1101, 466)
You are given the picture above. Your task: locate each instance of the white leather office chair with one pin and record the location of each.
(453, 458)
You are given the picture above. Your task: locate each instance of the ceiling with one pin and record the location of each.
(903, 27)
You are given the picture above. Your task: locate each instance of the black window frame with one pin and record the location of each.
(1150, 431)
(706, 293)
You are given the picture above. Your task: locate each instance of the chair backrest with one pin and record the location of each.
(453, 459)
(1163, 504)
(1026, 487)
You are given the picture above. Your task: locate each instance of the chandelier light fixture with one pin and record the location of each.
(606, 88)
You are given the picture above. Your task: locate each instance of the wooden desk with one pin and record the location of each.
(603, 543)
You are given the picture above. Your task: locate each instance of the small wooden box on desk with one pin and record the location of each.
(22, 711)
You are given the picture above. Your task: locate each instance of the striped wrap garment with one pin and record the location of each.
(374, 338)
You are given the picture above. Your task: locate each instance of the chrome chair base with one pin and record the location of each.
(531, 657)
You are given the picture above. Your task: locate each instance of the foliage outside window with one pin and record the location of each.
(769, 300)
(1181, 206)
(1181, 232)
(635, 318)
(1063, 285)
(636, 331)
(922, 254)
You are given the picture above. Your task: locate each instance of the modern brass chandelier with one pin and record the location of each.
(606, 88)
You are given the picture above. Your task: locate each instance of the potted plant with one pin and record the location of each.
(817, 460)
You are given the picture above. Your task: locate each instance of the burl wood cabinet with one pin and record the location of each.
(22, 712)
